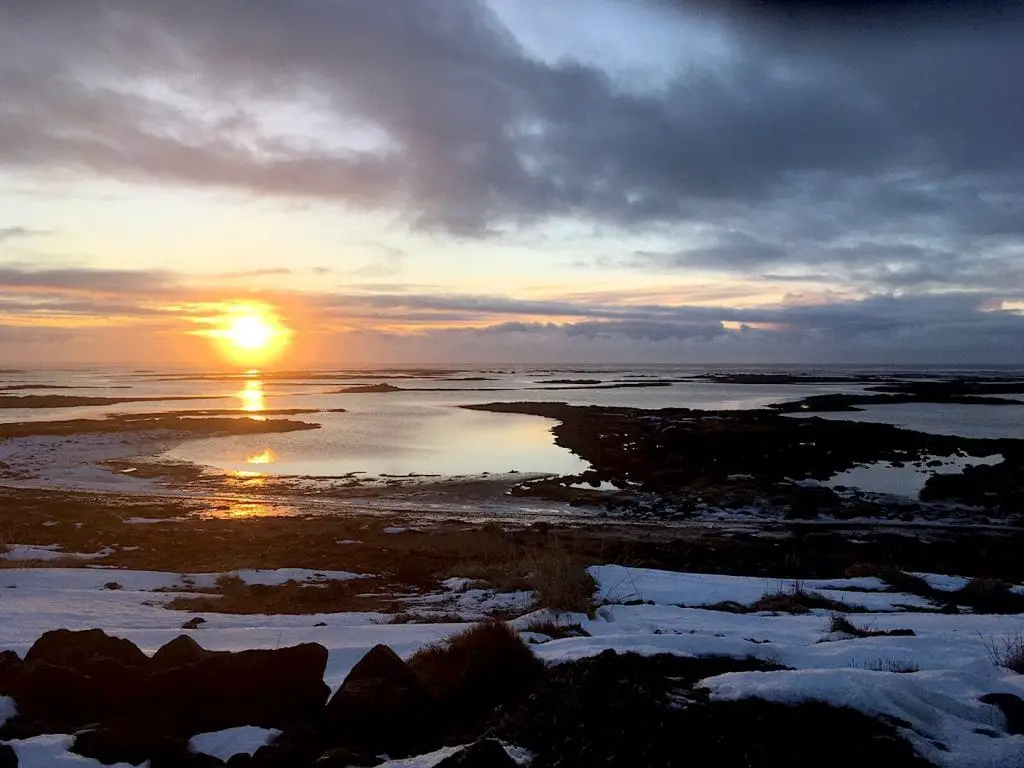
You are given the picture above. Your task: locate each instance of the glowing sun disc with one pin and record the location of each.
(249, 333)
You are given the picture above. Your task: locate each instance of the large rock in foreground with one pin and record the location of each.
(271, 689)
(381, 705)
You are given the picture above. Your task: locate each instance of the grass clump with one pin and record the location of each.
(1007, 652)
(798, 599)
(988, 596)
(554, 630)
(476, 670)
(897, 666)
(839, 623)
(416, 618)
(559, 579)
(233, 595)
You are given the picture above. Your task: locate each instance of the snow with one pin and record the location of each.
(519, 755)
(394, 529)
(51, 751)
(931, 703)
(232, 741)
(940, 701)
(281, 575)
(619, 584)
(943, 582)
(7, 709)
(48, 552)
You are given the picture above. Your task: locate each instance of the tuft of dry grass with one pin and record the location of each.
(1007, 652)
(477, 668)
(416, 618)
(798, 599)
(560, 580)
(292, 597)
(839, 623)
(555, 631)
(898, 666)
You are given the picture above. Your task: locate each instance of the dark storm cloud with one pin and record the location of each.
(477, 133)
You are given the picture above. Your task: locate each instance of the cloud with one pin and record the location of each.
(13, 233)
(875, 166)
(472, 133)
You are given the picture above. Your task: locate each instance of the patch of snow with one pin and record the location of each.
(8, 709)
(456, 583)
(49, 552)
(519, 756)
(934, 705)
(51, 751)
(394, 529)
(942, 582)
(278, 576)
(619, 584)
(347, 541)
(604, 486)
(244, 739)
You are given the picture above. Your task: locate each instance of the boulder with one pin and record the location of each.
(268, 688)
(65, 647)
(53, 699)
(178, 652)
(486, 753)
(378, 714)
(1012, 707)
(131, 742)
(382, 663)
(10, 663)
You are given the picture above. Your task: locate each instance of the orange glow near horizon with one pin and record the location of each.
(249, 334)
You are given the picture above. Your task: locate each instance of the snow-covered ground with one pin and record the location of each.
(666, 613)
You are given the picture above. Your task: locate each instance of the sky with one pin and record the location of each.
(486, 181)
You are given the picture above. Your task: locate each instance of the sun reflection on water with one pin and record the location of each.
(266, 456)
(253, 398)
(241, 510)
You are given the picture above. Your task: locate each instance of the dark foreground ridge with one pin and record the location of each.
(483, 687)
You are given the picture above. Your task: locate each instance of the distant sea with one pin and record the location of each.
(402, 421)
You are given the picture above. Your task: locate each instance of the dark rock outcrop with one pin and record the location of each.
(8, 757)
(65, 647)
(131, 741)
(379, 693)
(178, 652)
(268, 688)
(1011, 706)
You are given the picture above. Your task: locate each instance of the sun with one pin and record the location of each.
(250, 334)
